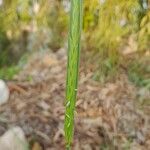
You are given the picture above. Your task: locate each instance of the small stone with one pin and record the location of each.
(13, 139)
(4, 92)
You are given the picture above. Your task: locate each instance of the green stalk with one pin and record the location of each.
(72, 68)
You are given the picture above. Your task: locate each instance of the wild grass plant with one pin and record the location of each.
(72, 68)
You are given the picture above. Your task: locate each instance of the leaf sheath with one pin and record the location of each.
(72, 67)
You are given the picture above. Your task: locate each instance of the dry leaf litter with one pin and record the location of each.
(107, 116)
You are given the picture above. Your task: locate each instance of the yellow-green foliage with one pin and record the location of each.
(110, 21)
(90, 15)
(144, 32)
(23, 21)
(108, 24)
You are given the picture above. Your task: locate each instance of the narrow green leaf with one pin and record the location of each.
(72, 68)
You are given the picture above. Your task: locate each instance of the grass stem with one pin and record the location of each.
(72, 68)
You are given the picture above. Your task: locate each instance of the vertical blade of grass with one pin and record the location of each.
(72, 67)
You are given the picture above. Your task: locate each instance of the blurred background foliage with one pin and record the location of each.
(116, 35)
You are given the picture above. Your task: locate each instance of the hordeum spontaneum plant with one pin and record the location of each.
(72, 68)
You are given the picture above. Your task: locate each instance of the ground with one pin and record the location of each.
(108, 116)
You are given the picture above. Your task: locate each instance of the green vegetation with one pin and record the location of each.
(28, 26)
(72, 67)
(110, 28)
(113, 24)
(9, 72)
(139, 73)
(116, 40)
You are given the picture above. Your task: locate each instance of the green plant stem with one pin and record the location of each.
(72, 68)
(68, 147)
